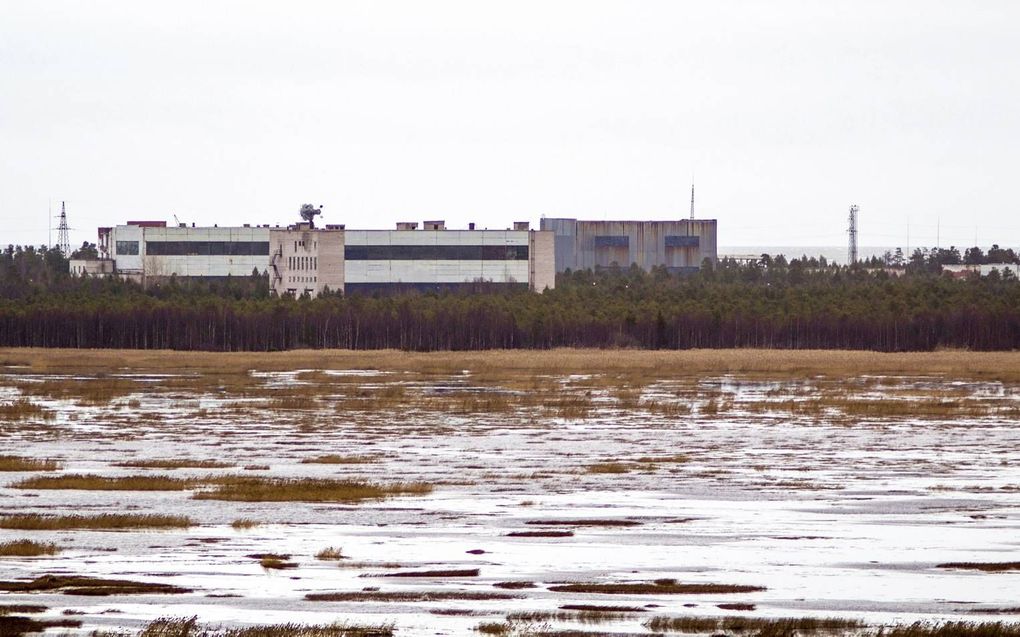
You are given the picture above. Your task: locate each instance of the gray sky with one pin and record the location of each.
(786, 111)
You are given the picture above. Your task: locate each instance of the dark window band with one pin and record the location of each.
(400, 287)
(127, 247)
(434, 252)
(210, 248)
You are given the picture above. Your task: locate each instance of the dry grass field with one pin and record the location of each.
(986, 365)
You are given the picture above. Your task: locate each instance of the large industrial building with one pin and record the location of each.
(680, 245)
(302, 259)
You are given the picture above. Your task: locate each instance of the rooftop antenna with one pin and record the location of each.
(692, 197)
(852, 230)
(63, 241)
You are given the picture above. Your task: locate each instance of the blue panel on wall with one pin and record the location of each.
(681, 241)
(612, 241)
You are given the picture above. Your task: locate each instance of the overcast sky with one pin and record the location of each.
(785, 111)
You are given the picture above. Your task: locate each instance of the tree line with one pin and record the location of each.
(771, 302)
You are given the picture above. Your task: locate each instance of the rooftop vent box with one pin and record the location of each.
(435, 225)
(522, 225)
(407, 225)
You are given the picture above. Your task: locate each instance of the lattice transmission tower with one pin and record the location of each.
(852, 230)
(63, 240)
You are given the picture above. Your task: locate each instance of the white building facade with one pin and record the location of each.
(301, 259)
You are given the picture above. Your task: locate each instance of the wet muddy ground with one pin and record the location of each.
(786, 485)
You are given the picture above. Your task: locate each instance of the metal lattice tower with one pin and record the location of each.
(63, 240)
(852, 230)
(692, 200)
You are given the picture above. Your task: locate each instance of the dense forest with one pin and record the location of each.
(772, 303)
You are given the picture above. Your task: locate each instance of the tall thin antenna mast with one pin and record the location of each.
(692, 198)
(852, 252)
(63, 241)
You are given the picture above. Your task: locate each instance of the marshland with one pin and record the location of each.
(579, 492)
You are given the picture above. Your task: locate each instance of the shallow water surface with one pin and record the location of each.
(833, 514)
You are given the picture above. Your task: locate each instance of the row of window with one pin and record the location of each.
(211, 248)
(434, 252)
(303, 263)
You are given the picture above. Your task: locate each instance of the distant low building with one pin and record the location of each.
(91, 267)
(960, 271)
(680, 245)
(302, 259)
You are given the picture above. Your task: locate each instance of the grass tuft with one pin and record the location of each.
(17, 463)
(337, 459)
(27, 548)
(607, 467)
(88, 482)
(189, 627)
(330, 553)
(243, 489)
(274, 562)
(759, 627)
(24, 409)
(106, 521)
(244, 523)
(658, 587)
(174, 463)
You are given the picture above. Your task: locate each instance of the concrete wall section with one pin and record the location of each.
(679, 245)
(542, 261)
(565, 238)
(91, 267)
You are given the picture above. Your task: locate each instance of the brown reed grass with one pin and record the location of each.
(106, 521)
(755, 625)
(24, 409)
(640, 363)
(18, 463)
(88, 482)
(330, 553)
(27, 548)
(339, 459)
(245, 489)
(174, 463)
